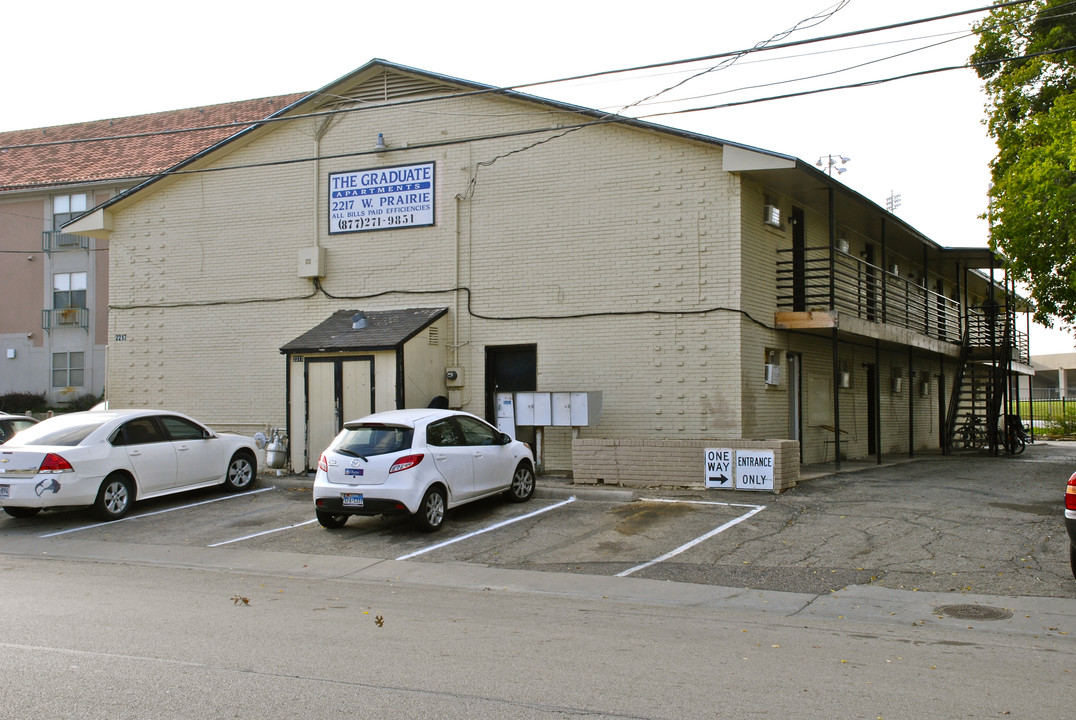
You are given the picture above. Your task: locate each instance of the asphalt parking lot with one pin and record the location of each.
(935, 524)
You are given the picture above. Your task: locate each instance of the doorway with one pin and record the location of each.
(510, 368)
(795, 400)
(799, 261)
(872, 409)
(337, 390)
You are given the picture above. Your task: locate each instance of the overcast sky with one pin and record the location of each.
(921, 138)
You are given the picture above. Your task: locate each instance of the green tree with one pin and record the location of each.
(1026, 56)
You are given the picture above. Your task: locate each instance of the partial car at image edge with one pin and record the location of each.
(421, 463)
(11, 424)
(108, 459)
(1070, 520)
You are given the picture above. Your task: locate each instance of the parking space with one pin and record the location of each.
(549, 533)
(943, 524)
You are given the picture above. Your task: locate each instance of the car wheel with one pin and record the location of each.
(21, 512)
(522, 484)
(1072, 560)
(431, 514)
(331, 520)
(241, 472)
(114, 498)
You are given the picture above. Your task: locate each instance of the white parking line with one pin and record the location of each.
(263, 532)
(687, 546)
(156, 512)
(485, 530)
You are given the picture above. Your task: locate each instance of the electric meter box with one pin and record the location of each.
(312, 262)
(563, 409)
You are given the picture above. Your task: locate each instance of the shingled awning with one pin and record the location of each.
(384, 330)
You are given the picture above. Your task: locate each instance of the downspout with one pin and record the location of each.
(836, 358)
(877, 419)
(885, 269)
(911, 403)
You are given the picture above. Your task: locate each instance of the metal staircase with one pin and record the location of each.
(980, 385)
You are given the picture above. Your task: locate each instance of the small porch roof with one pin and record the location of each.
(384, 330)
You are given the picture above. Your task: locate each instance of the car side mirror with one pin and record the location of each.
(505, 438)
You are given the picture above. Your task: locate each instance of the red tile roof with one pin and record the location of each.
(134, 147)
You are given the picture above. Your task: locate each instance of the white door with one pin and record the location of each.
(358, 399)
(322, 419)
(337, 390)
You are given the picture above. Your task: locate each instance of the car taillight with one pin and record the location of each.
(1070, 493)
(405, 463)
(323, 464)
(53, 463)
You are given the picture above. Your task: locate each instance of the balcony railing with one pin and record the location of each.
(806, 281)
(56, 241)
(75, 317)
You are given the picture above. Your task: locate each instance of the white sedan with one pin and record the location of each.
(418, 462)
(107, 459)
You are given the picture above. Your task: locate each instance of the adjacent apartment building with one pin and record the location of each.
(54, 291)
(591, 283)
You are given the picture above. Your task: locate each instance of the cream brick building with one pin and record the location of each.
(706, 289)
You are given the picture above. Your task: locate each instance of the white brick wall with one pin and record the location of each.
(607, 219)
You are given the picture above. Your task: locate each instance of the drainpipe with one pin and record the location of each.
(911, 403)
(836, 358)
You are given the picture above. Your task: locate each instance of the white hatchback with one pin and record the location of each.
(109, 458)
(420, 463)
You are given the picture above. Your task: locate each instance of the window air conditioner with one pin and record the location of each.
(772, 215)
(773, 374)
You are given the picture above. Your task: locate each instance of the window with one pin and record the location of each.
(139, 431)
(68, 369)
(68, 290)
(771, 212)
(476, 432)
(67, 207)
(180, 429)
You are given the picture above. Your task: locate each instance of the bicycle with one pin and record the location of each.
(971, 435)
(1015, 434)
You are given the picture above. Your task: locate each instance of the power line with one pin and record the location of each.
(510, 88)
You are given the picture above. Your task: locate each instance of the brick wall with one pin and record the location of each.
(656, 462)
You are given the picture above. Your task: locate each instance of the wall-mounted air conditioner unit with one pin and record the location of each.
(773, 374)
(897, 384)
(771, 215)
(844, 379)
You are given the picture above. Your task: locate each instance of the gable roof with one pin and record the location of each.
(385, 330)
(124, 148)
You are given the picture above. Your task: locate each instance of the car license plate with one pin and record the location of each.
(352, 499)
(4, 491)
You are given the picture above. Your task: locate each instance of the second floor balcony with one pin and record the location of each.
(56, 241)
(71, 317)
(818, 288)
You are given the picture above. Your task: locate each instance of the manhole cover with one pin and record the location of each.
(973, 612)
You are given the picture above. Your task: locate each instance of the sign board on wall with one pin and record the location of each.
(381, 198)
(728, 469)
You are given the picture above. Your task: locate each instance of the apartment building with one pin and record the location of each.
(401, 238)
(54, 304)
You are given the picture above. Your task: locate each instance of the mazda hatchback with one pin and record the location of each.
(418, 463)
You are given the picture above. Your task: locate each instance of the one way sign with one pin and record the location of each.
(719, 468)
